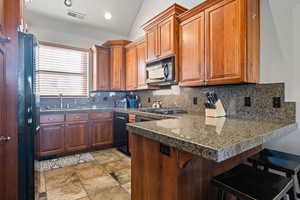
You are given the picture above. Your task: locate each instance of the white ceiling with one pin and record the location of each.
(123, 12)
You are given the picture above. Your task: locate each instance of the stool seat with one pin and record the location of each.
(277, 160)
(249, 183)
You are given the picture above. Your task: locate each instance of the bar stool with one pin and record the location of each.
(280, 161)
(248, 183)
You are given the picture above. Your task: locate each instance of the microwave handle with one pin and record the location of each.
(166, 71)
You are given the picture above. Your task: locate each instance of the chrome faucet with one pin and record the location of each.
(61, 101)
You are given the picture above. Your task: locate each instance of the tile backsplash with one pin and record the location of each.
(99, 99)
(232, 97)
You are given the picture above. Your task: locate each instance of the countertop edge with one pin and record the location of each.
(217, 155)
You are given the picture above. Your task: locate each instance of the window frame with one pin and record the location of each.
(50, 44)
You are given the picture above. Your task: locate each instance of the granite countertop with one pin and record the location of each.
(215, 139)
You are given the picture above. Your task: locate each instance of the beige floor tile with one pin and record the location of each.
(123, 176)
(85, 198)
(85, 165)
(116, 165)
(91, 172)
(71, 191)
(99, 183)
(59, 171)
(127, 187)
(57, 181)
(106, 157)
(114, 193)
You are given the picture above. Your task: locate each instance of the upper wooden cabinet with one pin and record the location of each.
(230, 31)
(192, 44)
(131, 67)
(141, 64)
(101, 68)
(162, 34)
(117, 64)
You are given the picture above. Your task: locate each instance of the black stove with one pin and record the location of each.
(164, 111)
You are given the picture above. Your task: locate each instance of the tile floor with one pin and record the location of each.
(106, 178)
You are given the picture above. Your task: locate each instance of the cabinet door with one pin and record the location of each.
(151, 42)
(102, 133)
(192, 63)
(131, 69)
(101, 69)
(141, 62)
(223, 43)
(118, 68)
(166, 38)
(77, 136)
(52, 139)
(1, 17)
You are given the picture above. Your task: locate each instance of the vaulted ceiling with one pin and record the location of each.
(123, 13)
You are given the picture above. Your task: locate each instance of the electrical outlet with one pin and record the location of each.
(247, 101)
(195, 100)
(276, 102)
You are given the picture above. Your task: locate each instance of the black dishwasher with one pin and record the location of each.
(120, 132)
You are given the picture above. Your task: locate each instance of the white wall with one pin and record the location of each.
(280, 57)
(62, 32)
(280, 49)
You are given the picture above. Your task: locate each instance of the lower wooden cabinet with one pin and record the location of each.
(51, 139)
(76, 136)
(80, 132)
(102, 133)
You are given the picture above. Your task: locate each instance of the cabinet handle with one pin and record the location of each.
(50, 119)
(77, 117)
(121, 118)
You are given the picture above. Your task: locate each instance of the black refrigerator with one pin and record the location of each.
(28, 115)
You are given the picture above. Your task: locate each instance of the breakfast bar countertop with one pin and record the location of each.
(216, 139)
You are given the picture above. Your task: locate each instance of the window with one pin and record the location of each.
(62, 70)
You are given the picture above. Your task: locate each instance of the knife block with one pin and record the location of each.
(219, 111)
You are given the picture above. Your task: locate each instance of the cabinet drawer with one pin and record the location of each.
(45, 119)
(100, 115)
(77, 117)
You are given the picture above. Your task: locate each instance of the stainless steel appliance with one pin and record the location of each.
(28, 115)
(161, 72)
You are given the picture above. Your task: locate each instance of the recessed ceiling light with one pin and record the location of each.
(68, 3)
(107, 15)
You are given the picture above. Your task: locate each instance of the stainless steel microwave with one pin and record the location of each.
(161, 72)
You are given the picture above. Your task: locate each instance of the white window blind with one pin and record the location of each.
(62, 70)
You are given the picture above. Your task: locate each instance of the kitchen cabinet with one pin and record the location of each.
(101, 69)
(102, 133)
(62, 134)
(117, 64)
(141, 65)
(231, 37)
(152, 44)
(192, 57)
(162, 34)
(51, 139)
(166, 37)
(131, 67)
(1, 17)
(76, 135)
(131, 119)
